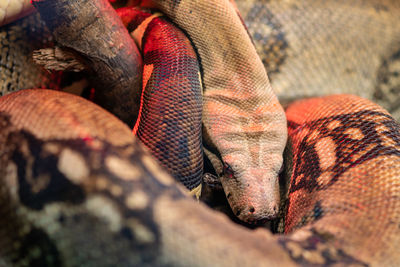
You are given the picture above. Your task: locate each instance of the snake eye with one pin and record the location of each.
(228, 171)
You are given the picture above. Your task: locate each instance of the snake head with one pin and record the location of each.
(252, 193)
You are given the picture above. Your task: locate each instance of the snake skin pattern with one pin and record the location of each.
(106, 202)
(309, 48)
(169, 123)
(106, 195)
(314, 48)
(243, 122)
(345, 164)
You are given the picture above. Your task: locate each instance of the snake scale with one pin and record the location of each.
(79, 189)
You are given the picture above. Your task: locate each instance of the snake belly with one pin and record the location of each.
(169, 122)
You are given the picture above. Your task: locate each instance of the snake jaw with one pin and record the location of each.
(253, 195)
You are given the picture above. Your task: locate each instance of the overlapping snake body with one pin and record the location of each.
(104, 195)
(244, 126)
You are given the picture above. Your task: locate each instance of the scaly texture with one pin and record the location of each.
(105, 202)
(54, 214)
(66, 200)
(169, 121)
(314, 48)
(243, 121)
(317, 48)
(17, 69)
(95, 32)
(346, 175)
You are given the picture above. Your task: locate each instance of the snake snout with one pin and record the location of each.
(254, 197)
(253, 213)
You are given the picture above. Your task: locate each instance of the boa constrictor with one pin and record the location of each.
(105, 202)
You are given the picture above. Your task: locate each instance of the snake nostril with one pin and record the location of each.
(275, 208)
(252, 210)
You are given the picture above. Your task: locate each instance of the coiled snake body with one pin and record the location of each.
(78, 189)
